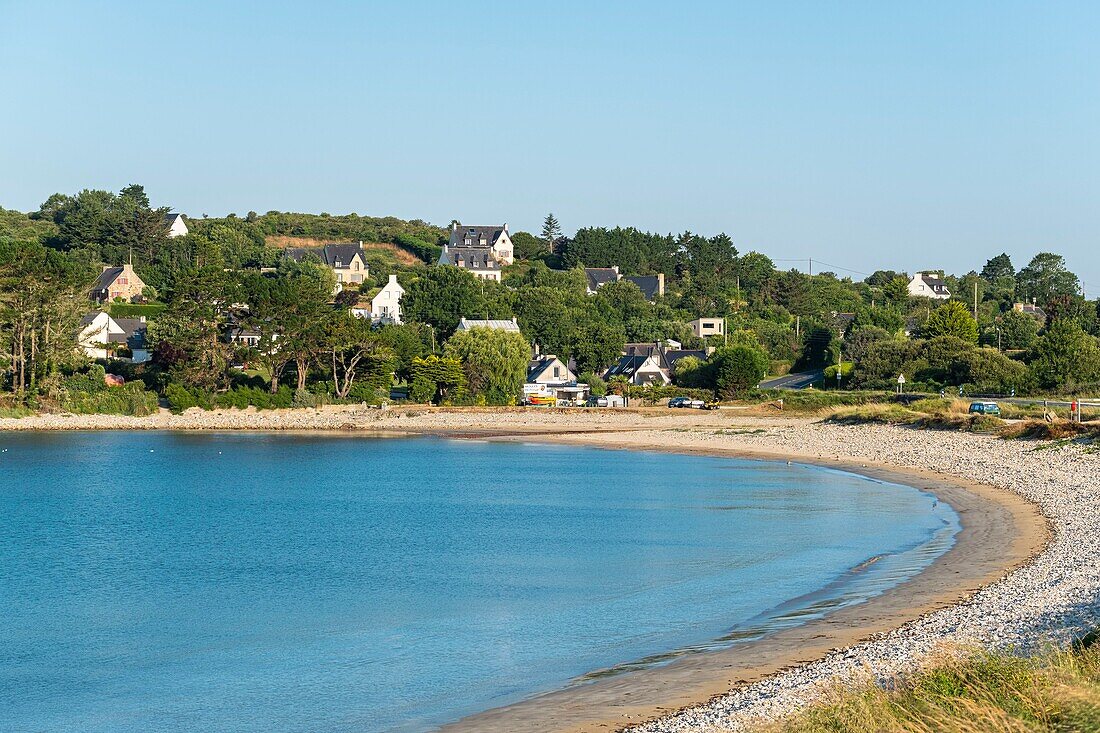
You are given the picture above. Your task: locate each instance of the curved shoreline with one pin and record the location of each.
(1053, 594)
(976, 559)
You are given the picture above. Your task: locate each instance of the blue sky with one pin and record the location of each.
(865, 134)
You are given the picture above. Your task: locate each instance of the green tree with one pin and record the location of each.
(436, 379)
(596, 344)
(187, 339)
(288, 314)
(1045, 278)
(494, 361)
(1066, 357)
(352, 349)
(1017, 330)
(896, 291)
(998, 268)
(952, 319)
(551, 230)
(737, 369)
(544, 318)
(442, 296)
(526, 246)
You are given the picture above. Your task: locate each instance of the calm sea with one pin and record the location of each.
(258, 582)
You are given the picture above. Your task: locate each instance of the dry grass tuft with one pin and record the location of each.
(1057, 692)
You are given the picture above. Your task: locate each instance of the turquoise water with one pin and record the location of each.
(258, 582)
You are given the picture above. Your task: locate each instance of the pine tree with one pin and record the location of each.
(551, 230)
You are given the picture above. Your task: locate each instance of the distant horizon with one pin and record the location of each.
(867, 135)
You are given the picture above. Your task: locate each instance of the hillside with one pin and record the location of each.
(387, 250)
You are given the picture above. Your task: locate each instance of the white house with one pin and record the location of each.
(482, 250)
(706, 327)
(100, 336)
(385, 307)
(177, 227)
(928, 285)
(548, 369)
(640, 370)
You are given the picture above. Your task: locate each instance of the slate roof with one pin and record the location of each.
(650, 285)
(475, 234)
(597, 276)
(107, 277)
(475, 258)
(673, 356)
(936, 284)
(540, 364)
(332, 255)
(628, 366)
(169, 218)
(133, 334)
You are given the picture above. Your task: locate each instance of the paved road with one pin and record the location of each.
(801, 380)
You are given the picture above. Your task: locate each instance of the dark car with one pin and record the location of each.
(680, 402)
(985, 408)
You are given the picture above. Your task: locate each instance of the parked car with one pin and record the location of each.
(596, 402)
(985, 408)
(686, 402)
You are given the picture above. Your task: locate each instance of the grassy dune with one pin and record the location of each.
(1057, 692)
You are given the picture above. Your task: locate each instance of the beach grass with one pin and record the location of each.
(983, 692)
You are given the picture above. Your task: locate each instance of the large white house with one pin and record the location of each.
(481, 250)
(385, 307)
(928, 285)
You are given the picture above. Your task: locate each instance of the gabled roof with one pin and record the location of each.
(628, 366)
(650, 285)
(597, 276)
(107, 277)
(475, 234)
(540, 364)
(933, 281)
(169, 218)
(673, 356)
(332, 255)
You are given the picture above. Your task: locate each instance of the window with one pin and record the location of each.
(123, 281)
(557, 372)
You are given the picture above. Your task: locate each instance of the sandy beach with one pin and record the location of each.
(1022, 571)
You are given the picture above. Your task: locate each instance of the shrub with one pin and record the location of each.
(738, 369)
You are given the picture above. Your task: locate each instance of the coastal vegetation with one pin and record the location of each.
(1053, 692)
(1003, 331)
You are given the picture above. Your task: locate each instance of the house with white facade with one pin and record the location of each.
(639, 369)
(481, 250)
(707, 327)
(104, 337)
(928, 285)
(385, 307)
(177, 227)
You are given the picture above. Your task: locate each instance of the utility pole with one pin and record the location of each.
(798, 327)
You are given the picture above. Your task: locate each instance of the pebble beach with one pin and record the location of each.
(1053, 597)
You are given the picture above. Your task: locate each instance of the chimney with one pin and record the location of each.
(393, 279)
(360, 243)
(505, 226)
(454, 226)
(615, 268)
(660, 283)
(106, 267)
